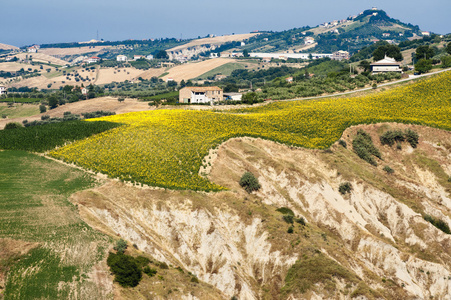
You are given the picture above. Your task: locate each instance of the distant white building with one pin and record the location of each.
(309, 40)
(425, 33)
(136, 57)
(340, 55)
(32, 49)
(121, 58)
(243, 44)
(91, 60)
(387, 64)
(149, 57)
(2, 90)
(233, 96)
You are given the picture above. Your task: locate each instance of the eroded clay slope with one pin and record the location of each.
(370, 243)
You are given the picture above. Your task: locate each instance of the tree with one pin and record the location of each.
(13, 125)
(245, 53)
(249, 182)
(126, 270)
(42, 108)
(446, 61)
(448, 48)
(53, 102)
(424, 52)
(365, 65)
(423, 66)
(392, 51)
(249, 98)
(161, 55)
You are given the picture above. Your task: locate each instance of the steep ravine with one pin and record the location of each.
(375, 237)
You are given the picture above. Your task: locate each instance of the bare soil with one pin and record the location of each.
(72, 51)
(215, 40)
(193, 70)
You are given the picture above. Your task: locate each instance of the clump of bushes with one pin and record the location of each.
(344, 188)
(342, 143)
(125, 269)
(388, 170)
(440, 224)
(363, 146)
(391, 137)
(121, 246)
(13, 125)
(249, 182)
(285, 211)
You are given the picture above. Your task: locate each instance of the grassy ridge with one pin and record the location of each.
(165, 147)
(47, 137)
(33, 201)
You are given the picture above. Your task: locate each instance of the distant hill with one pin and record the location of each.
(352, 33)
(7, 47)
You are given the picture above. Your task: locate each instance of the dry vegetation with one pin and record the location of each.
(193, 70)
(214, 40)
(72, 51)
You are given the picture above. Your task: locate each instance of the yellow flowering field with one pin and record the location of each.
(165, 148)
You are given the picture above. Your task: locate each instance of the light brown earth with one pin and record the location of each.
(7, 47)
(193, 70)
(72, 51)
(214, 40)
(108, 75)
(41, 57)
(15, 66)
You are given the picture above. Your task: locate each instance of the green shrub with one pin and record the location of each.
(300, 220)
(13, 125)
(126, 271)
(392, 136)
(363, 146)
(412, 138)
(388, 170)
(121, 246)
(163, 265)
(344, 188)
(142, 261)
(285, 211)
(150, 272)
(290, 229)
(342, 143)
(288, 218)
(194, 279)
(42, 108)
(249, 182)
(440, 224)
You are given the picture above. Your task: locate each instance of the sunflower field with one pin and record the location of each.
(165, 148)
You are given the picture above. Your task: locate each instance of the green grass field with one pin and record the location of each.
(19, 110)
(225, 69)
(34, 205)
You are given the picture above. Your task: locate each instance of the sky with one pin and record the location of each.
(27, 22)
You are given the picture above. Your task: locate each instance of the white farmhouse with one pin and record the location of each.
(387, 64)
(121, 58)
(149, 57)
(207, 94)
(2, 90)
(32, 49)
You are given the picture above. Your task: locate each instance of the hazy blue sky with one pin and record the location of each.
(24, 22)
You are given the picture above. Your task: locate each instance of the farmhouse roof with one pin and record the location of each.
(204, 89)
(386, 61)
